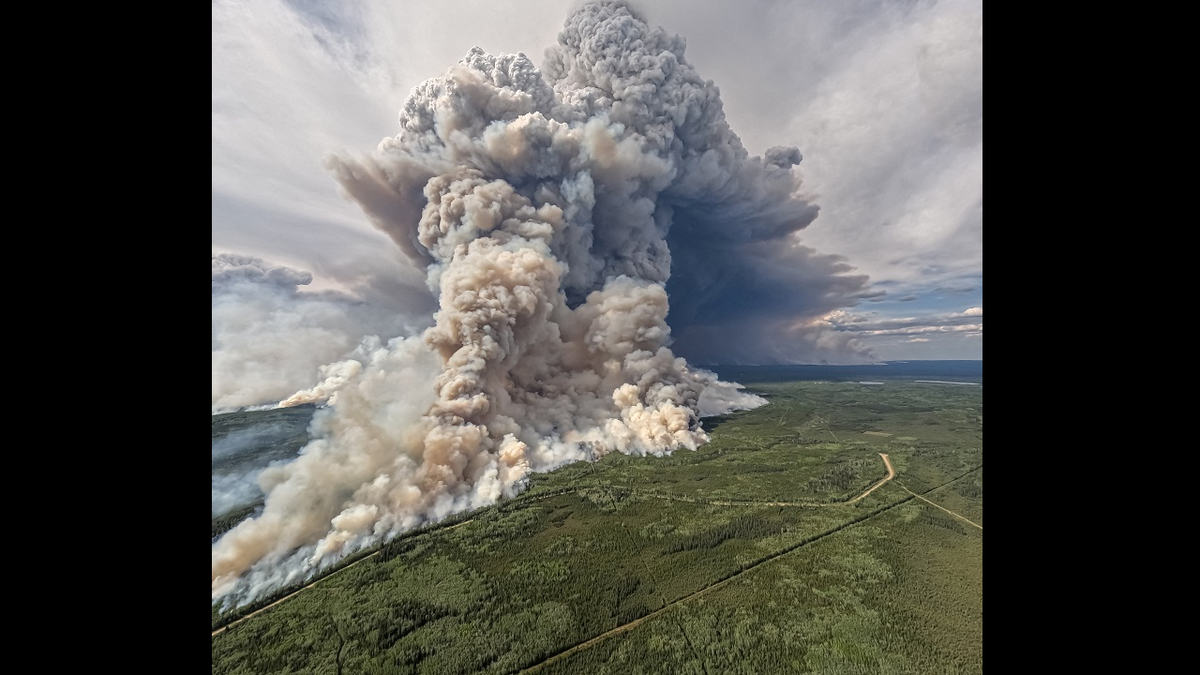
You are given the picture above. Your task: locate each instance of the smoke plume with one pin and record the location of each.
(270, 340)
(555, 210)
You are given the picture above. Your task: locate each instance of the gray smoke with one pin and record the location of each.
(556, 211)
(240, 456)
(231, 490)
(270, 339)
(232, 446)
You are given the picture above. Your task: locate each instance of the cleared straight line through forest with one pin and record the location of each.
(289, 595)
(636, 622)
(305, 587)
(956, 515)
(890, 475)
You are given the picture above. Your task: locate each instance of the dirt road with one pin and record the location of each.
(891, 474)
(956, 515)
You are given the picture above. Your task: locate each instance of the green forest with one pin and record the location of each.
(778, 547)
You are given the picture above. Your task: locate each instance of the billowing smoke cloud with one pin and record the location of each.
(556, 211)
(719, 398)
(238, 457)
(270, 340)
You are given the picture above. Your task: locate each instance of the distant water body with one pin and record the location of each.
(940, 372)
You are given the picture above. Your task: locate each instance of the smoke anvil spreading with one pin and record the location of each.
(548, 206)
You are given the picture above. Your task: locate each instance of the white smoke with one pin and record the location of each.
(270, 340)
(231, 490)
(719, 398)
(238, 458)
(548, 206)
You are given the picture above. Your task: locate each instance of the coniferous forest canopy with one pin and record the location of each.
(756, 553)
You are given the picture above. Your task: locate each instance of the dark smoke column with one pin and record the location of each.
(553, 211)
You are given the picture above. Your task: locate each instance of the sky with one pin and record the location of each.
(882, 99)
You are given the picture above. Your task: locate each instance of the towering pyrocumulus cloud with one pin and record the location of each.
(555, 211)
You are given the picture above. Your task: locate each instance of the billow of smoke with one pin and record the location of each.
(232, 490)
(269, 339)
(238, 458)
(548, 206)
(232, 446)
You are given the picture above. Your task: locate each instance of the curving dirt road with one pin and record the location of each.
(891, 474)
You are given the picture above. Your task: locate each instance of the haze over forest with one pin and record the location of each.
(543, 251)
